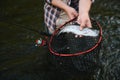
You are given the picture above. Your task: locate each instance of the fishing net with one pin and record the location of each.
(75, 54)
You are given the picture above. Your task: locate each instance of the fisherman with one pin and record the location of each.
(72, 9)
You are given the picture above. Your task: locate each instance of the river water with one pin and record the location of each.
(20, 59)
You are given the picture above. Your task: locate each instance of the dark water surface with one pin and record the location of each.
(21, 60)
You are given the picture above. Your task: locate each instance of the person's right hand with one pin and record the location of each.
(71, 12)
(84, 20)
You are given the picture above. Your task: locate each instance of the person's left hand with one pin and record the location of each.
(84, 20)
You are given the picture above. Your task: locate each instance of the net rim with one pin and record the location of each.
(77, 53)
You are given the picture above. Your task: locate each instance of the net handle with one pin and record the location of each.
(78, 53)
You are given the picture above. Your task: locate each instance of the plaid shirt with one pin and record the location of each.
(51, 13)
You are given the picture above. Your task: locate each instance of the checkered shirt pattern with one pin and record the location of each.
(51, 13)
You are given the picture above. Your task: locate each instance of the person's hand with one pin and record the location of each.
(71, 12)
(84, 20)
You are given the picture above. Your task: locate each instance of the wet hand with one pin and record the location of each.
(84, 20)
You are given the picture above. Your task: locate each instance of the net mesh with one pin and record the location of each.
(67, 43)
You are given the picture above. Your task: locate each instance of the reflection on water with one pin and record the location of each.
(21, 60)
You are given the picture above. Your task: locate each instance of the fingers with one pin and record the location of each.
(84, 22)
(72, 16)
(72, 13)
(75, 14)
(88, 24)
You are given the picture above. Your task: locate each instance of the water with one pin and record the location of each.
(108, 15)
(21, 60)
